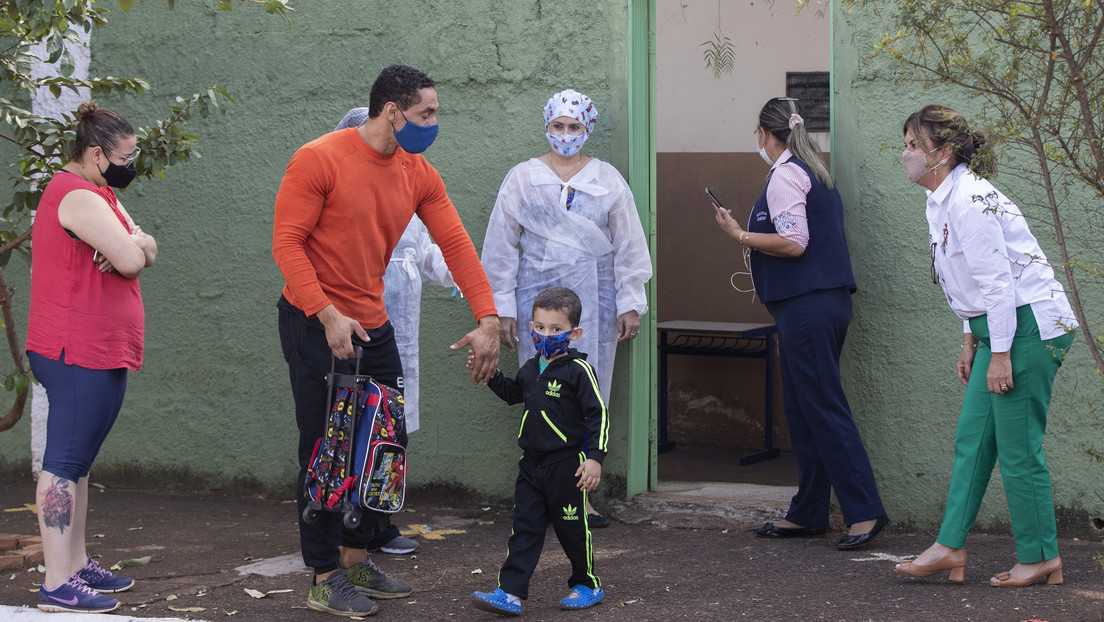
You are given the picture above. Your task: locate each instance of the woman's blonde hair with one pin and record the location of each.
(775, 118)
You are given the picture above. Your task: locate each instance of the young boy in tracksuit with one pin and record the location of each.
(562, 404)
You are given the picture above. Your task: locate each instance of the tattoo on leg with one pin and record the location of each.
(57, 505)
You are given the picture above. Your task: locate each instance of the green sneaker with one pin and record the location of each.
(338, 596)
(369, 579)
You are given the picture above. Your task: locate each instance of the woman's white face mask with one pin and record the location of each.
(566, 144)
(762, 150)
(916, 164)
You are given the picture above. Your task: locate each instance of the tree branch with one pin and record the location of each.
(15, 413)
(1074, 289)
(14, 242)
(1078, 78)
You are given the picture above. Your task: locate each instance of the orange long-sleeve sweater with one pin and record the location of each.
(340, 211)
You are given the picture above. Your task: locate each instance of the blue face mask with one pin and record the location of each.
(550, 345)
(414, 138)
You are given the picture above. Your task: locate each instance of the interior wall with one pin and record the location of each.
(696, 112)
(704, 138)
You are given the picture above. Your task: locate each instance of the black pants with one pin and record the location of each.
(308, 357)
(547, 494)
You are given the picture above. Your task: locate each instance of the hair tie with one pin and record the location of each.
(795, 119)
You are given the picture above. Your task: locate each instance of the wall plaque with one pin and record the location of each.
(812, 88)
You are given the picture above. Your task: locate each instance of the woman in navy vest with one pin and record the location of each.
(802, 272)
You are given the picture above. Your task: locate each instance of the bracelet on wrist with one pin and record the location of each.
(972, 345)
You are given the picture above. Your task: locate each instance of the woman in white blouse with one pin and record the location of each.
(573, 219)
(1016, 331)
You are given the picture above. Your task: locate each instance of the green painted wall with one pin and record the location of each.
(904, 341)
(214, 397)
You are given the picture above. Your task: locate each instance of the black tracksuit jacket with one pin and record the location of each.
(561, 405)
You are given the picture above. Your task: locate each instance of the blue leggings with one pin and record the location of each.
(83, 406)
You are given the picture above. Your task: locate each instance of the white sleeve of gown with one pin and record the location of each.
(431, 261)
(501, 257)
(632, 264)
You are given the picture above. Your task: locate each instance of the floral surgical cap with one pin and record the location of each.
(571, 103)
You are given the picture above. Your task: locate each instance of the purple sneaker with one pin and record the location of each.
(75, 597)
(103, 581)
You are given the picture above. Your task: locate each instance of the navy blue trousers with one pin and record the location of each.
(830, 454)
(84, 404)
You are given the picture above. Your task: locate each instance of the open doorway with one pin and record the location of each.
(717, 63)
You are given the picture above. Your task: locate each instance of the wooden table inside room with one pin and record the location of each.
(724, 339)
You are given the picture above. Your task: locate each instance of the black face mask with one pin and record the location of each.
(119, 176)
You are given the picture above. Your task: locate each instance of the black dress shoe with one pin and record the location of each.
(854, 542)
(770, 530)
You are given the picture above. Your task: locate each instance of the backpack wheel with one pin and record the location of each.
(310, 516)
(352, 519)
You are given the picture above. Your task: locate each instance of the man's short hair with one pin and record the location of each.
(563, 300)
(399, 84)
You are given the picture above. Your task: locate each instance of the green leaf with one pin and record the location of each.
(126, 5)
(137, 561)
(55, 45)
(171, 4)
(68, 65)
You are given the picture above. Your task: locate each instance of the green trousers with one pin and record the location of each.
(1008, 428)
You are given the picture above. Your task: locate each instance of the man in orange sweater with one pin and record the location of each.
(344, 202)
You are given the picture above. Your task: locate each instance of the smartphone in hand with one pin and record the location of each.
(713, 198)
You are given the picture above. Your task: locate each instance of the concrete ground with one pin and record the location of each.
(685, 552)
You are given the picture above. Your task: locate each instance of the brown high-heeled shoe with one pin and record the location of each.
(955, 562)
(1051, 570)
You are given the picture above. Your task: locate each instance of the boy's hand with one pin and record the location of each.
(471, 359)
(589, 474)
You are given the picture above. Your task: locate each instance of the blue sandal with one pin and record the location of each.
(495, 602)
(582, 597)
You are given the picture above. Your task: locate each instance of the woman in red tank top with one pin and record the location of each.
(84, 332)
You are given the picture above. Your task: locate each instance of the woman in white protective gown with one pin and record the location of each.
(569, 220)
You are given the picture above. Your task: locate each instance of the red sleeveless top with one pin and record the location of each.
(96, 318)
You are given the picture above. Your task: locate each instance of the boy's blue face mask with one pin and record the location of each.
(414, 138)
(550, 345)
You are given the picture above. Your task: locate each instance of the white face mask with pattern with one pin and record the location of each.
(566, 144)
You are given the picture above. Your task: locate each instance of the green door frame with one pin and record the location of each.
(641, 457)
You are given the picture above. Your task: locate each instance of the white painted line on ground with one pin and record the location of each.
(29, 614)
